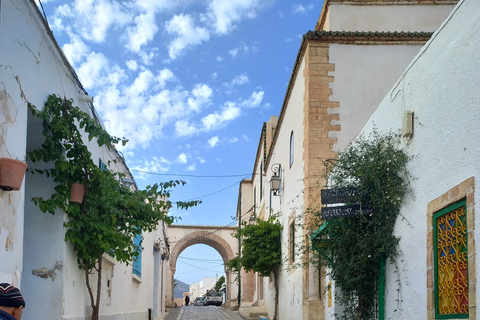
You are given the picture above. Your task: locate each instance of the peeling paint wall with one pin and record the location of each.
(33, 251)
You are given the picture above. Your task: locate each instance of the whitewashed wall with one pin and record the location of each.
(441, 87)
(290, 201)
(363, 75)
(390, 17)
(45, 265)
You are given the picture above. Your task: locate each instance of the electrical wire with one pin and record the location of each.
(192, 175)
(202, 268)
(210, 194)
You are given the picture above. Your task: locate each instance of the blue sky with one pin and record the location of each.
(189, 83)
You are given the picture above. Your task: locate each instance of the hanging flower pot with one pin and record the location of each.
(76, 194)
(11, 174)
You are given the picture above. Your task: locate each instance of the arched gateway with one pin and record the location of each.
(218, 237)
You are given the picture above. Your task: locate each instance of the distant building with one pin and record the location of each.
(194, 290)
(206, 284)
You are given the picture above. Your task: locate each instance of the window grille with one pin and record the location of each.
(450, 262)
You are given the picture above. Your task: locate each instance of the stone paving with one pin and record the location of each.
(202, 313)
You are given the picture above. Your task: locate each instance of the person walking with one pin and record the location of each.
(187, 300)
(11, 302)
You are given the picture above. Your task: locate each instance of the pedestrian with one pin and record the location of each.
(187, 300)
(11, 302)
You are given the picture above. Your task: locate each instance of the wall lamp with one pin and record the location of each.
(276, 180)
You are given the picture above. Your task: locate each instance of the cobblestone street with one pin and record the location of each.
(202, 313)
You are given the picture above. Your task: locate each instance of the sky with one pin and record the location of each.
(189, 83)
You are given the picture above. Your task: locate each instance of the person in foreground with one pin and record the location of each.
(11, 302)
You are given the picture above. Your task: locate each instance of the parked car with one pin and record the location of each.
(214, 298)
(200, 301)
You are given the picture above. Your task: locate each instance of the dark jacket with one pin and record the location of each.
(5, 316)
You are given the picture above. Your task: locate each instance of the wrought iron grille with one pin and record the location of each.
(451, 259)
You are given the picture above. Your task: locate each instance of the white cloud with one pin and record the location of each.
(200, 96)
(213, 141)
(97, 17)
(219, 119)
(219, 58)
(214, 75)
(182, 158)
(245, 137)
(156, 165)
(132, 65)
(143, 31)
(76, 50)
(183, 128)
(225, 13)
(191, 167)
(238, 80)
(254, 101)
(201, 160)
(243, 48)
(187, 34)
(94, 71)
(233, 140)
(300, 9)
(164, 76)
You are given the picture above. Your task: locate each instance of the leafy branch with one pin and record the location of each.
(110, 215)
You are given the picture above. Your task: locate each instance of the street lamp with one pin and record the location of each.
(276, 180)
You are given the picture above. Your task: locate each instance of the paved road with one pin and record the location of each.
(202, 313)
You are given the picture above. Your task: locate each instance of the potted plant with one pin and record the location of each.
(11, 174)
(76, 194)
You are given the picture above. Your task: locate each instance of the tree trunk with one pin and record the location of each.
(96, 310)
(275, 284)
(94, 302)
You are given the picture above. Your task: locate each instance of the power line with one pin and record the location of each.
(211, 194)
(192, 175)
(199, 259)
(202, 268)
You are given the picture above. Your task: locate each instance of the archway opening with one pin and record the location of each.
(199, 267)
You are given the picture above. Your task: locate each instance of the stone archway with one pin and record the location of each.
(218, 237)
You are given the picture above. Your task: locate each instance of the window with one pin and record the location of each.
(451, 261)
(291, 149)
(137, 263)
(101, 165)
(452, 211)
(292, 242)
(261, 181)
(291, 238)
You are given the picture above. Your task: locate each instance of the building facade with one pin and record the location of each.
(343, 70)
(439, 87)
(36, 257)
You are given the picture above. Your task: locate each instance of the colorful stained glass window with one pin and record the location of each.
(451, 260)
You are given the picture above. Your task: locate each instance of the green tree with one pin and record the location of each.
(219, 283)
(261, 250)
(110, 215)
(353, 247)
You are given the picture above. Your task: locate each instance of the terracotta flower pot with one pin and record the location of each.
(11, 174)
(76, 194)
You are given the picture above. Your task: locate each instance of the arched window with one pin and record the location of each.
(291, 149)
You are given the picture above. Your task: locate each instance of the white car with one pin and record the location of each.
(214, 298)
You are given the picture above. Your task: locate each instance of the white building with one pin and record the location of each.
(206, 284)
(194, 291)
(343, 70)
(440, 87)
(36, 257)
